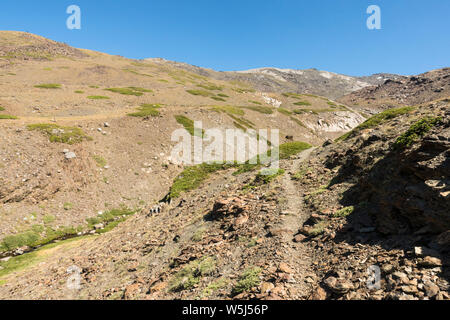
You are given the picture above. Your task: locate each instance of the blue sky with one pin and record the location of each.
(243, 34)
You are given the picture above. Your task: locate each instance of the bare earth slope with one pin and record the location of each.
(85, 158)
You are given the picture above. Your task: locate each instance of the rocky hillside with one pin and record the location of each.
(403, 91)
(92, 205)
(312, 81)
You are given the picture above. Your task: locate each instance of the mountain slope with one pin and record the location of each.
(411, 90)
(312, 81)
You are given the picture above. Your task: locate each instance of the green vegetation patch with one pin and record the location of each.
(218, 98)
(2, 109)
(192, 177)
(284, 111)
(109, 217)
(377, 120)
(266, 176)
(302, 103)
(146, 110)
(23, 261)
(260, 109)
(56, 133)
(188, 124)
(416, 131)
(211, 87)
(101, 162)
(344, 212)
(202, 93)
(48, 86)
(292, 148)
(7, 117)
(129, 91)
(98, 97)
(229, 110)
(191, 274)
(79, 91)
(248, 280)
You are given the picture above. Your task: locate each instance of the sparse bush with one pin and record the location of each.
(7, 117)
(188, 124)
(97, 97)
(56, 133)
(48, 86)
(344, 212)
(129, 91)
(146, 110)
(260, 109)
(416, 131)
(191, 274)
(202, 93)
(302, 103)
(248, 280)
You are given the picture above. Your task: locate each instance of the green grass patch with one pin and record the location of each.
(229, 110)
(192, 177)
(222, 95)
(79, 91)
(68, 206)
(218, 98)
(98, 97)
(7, 117)
(211, 87)
(101, 162)
(146, 110)
(255, 102)
(416, 131)
(202, 93)
(248, 280)
(292, 148)
(284, 111)
(48, 86)
(302, 103)
(110, 216)
(23, 261)
(344, 212)
(265, 176)
(129, 91)
(297, 121)
(260, 109)
(2, 109)
(191, 274)
(56, 133)
(188, 124)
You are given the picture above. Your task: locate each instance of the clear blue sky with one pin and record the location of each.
(242, 34)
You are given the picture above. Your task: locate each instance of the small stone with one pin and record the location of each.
(409, 289)
(283, 267)
(339, 286)
(431, 289)
(70, 155)
(299, 238)
(387, 268)
(319, 294)
(431, 262)
(266, 287)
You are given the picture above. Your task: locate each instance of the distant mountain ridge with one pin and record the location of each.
(269, 79)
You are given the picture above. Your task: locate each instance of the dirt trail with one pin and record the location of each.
(295, 254)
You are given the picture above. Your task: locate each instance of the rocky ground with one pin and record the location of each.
(372, 204)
